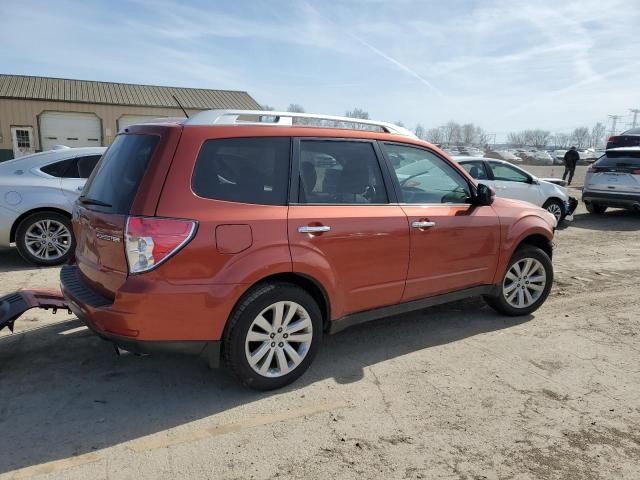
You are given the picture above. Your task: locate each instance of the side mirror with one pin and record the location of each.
(484, 195)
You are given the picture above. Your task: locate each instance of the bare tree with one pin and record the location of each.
(434, 135)
(451, 133)
(267, 107)
(516, 139)
(357, 113)
(482, 137)
(580, 137)
(419, 131)
(295, 108)
(468, 134)
(562, 140)
(538, 138)
(597, 135)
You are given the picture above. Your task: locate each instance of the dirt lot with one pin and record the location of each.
(455, 392)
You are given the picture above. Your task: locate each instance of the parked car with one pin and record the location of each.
(502, 155)
(37, 193)
(628, 138)
(613, 181)
(539, 157)
(511, 181)
(214, 236)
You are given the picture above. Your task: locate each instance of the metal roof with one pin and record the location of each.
(107, 93)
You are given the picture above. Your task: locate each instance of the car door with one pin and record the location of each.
(454, 245)
(511, 182)
(343, 228)
(75, 176)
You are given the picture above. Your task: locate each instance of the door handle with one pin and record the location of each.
(314, 229)
(423, 224)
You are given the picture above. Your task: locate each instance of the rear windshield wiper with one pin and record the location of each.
(93, 201)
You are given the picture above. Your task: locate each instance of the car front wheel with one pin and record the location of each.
(555, 207)
(526, 283)
(45, 238)
(273, 335)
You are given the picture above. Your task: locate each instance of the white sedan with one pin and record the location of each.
(37, 193)
(513, 182)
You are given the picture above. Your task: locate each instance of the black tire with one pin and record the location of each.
(595, 208)
(28, 222)
(499, 302)
(240, 321)
(555, 203)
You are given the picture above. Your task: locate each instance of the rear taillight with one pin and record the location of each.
(149, 241)
(636, 171)
(611, 138)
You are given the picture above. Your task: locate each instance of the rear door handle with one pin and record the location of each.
(315, 229)
(423, 224)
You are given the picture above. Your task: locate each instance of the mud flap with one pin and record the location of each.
(15, 304)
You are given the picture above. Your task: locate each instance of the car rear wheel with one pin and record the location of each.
(45, 238)
(526, 283)
(273, 335)
(595, 208)
(554, 207)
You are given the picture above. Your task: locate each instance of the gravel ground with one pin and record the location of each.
(454, 392)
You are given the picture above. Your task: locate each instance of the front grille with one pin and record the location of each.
(73, 283)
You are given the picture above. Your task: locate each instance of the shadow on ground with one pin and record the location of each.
(69, 394)
(11, 261)
(612, 220)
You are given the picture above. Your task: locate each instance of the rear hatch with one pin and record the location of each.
(127, 181)
(630, 138)
(616, 172)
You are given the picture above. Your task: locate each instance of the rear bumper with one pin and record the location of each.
(150, 318)
(620, 200)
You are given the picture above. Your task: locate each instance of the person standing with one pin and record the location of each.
(570, 161)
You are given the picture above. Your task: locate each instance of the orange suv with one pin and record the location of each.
(244, 236)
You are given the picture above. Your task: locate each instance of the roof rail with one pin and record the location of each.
(288, 119)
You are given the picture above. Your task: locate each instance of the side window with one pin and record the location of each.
(476, 169)
(426, 178)
(246, 170)
(85, 165)
(340, 172)
(58, 169)
(508, 173)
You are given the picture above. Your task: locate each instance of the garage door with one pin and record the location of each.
(70, 129)
(126, 120)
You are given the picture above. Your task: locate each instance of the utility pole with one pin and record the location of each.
(635, 112)
(613, 125)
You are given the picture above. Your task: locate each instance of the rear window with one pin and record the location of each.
(246, 170)
(115, 179)
(621, 159)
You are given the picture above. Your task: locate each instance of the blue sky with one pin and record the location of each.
(505, 65)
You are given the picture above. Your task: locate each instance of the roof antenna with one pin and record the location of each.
(180, 105)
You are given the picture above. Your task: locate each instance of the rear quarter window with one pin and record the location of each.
(116, 178)
(245, 170)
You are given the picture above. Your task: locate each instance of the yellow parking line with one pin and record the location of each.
(52, 467)
(156, 441)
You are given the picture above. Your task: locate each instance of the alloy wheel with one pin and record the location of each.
(524, 283)
(555, 210)
(48, 240)
(279, 339)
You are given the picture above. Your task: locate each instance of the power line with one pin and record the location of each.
(614, 118)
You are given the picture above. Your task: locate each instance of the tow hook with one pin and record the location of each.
(16, 303)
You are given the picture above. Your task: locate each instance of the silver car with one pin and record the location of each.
(613, 181)
(37, 193)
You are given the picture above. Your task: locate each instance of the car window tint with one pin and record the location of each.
(116, 178)
(58, 169)
(340, 172)
(426, 178)
(508, 173)
(476, 169)
(619, 159)
(85, 165)
(246, 170)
